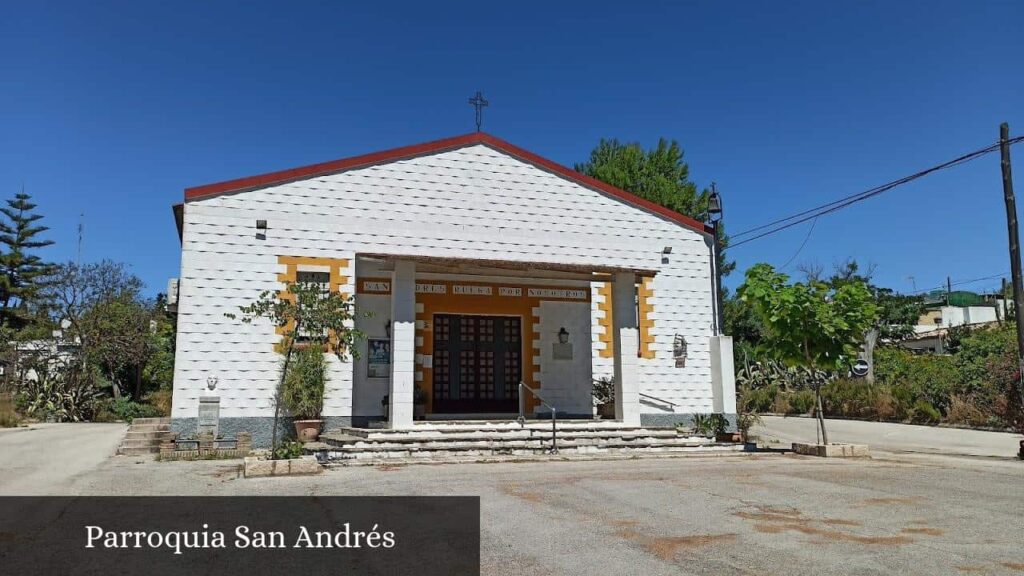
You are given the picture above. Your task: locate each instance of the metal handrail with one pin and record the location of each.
(662, 400)
(522, 414)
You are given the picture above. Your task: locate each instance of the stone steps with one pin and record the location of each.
(560, 457)
(471, 441)
(143, 436)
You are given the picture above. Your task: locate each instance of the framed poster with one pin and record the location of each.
(378, 358)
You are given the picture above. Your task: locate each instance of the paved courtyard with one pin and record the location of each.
(770, 514)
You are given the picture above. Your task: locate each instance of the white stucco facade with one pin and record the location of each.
(475, 203)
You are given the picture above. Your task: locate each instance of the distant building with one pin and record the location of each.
(946, 311)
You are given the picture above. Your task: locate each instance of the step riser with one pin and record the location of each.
(442, 455)
(138, 451)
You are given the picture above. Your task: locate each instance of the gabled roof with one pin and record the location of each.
(427, 148)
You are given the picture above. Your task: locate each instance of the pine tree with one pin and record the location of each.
(21, 271)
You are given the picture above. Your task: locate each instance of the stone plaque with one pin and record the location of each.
(561, 350)
(209, 414)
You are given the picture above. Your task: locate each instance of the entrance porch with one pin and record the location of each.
(453, 338)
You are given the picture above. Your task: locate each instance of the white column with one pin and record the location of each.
(403, 344)
(626, 343)
(723, 375)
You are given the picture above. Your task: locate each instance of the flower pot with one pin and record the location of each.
(728, 437)
(606, 410)
(308, 430)
(1020, 453)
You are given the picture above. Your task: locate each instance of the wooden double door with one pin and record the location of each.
(478, 364)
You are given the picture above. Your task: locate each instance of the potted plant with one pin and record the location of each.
(603, 391)
(744, 422)
(419, 398)
(303, 390)
(703, 425)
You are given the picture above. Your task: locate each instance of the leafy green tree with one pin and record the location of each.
(79, 296)
(811, 323)
(310, 315)
(119, 333)
(21, 271)
(659, 175)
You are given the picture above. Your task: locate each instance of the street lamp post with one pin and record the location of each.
(714, 218)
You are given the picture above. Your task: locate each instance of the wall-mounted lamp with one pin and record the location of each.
(261, 229)
(261, 224)
(563, 336)
(666, 250)
(679, 350)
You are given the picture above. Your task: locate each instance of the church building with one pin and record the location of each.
(482, 266)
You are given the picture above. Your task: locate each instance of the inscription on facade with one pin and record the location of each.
(509, 291)
(472, 290)
(431, 289)
(557, 293)
(378, 287)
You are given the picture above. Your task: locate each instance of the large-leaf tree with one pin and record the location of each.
(810, 324)
(659, 174)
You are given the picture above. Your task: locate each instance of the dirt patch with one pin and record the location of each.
(769, 514)
(1018, 566)
(924, 530)
(518, 492)
(666, 547)
(832, 535)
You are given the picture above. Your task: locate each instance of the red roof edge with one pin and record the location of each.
(362, 161)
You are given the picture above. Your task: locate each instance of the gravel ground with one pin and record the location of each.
(764, 514)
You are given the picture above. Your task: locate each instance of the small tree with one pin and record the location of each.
(810, 324)
(309, 314)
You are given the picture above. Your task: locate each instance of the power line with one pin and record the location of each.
(960, 282)
(790, 221)
(802, 244)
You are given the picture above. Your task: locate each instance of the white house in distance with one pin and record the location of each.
(482, 265)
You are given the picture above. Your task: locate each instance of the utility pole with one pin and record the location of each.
(1011, 226)
(949, 290)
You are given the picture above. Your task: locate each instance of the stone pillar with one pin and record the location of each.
(626, 344)
(723, 375)
(403, 344)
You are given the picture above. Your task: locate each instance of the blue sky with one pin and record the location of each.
(110, 110)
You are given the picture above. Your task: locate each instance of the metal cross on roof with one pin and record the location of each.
(479, 103)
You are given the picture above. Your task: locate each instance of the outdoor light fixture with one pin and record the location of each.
(714, 205)
(563, 336)
(666, 250)
(261, 224)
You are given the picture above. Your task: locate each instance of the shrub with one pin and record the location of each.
(801, 402)
(758, 399)
(8, 417)
(603, 390)
(746, 421)
(924, 412)
(124, 409)
(61, 396)
(160, 400)
(287, 451)
(962, 410)
(303, 390)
